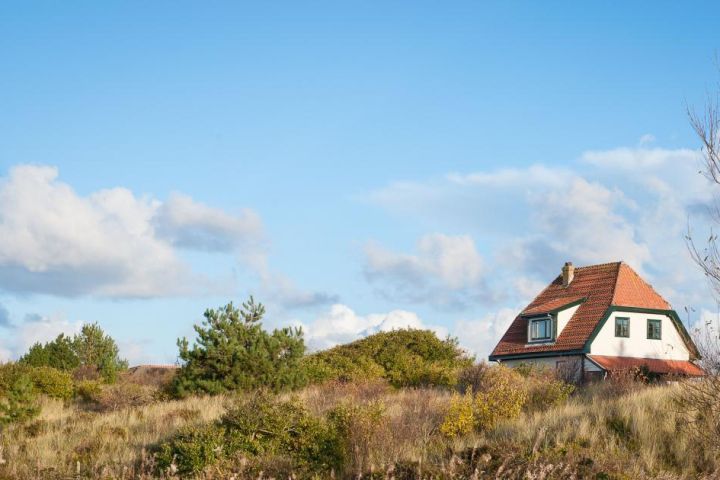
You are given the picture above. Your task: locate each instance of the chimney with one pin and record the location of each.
(568, 273)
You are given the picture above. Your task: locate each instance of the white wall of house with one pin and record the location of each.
(669, 347)
(575, 363)
(551, 362)
(563, 317)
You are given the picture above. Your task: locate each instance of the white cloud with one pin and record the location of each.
(39, 328)
(586, 220)
(53, 240)
(629, 204)
(640, 158)
(189, 224)
(446, 270)
(278, 288)
(340, 324)
(480, 336)
(115, 244)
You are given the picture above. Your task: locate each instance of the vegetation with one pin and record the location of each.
(402, 404)
(405, 358)
(233, 352)
(90, 353)
(358, 430)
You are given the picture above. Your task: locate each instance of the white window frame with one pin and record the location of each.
(550, 326)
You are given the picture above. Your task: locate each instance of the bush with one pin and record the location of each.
(18, 402)
(266, 426)
(260, 428)
(89, 352)
(503, 397)
(546, 392)
(45, 380)
(117, 396)
(52, 382)
(88, 390)
(361, 429)
(460, 418)
(233, 352)
(473, 377)
(191, 450)
(406, 358)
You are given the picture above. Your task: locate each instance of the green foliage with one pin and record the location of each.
(361, 429)
(88, 390)
(51, 382)
(233, 352)
(262, 427)
(90, 350)
(18, 401)
(60, 354)
(502, 398)
(192, 449)
(547, 392)
(406, 358)
(45, 380)
(94, 348)
(266, 426)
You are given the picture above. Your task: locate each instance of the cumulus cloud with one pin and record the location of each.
(340, 324)
(630, 203)
(115, 244)
(446, 271)
(38, 328)
(189, 224)
(280, 289)
(54, 241)
(479, 336)
(586, 220)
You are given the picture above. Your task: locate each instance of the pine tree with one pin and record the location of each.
(19, 402)
(233, 352)
(58, 354)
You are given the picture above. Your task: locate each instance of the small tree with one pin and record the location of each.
(233, 352)
(90, 350)
(97, 350)
(59, 353)
(19, 402)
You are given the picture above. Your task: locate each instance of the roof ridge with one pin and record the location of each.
(599, 265)
(615, 284)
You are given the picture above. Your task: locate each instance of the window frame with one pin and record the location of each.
(617, 324)
(550, 329)
(659, 330)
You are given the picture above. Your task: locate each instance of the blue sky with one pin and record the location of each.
(356, 166)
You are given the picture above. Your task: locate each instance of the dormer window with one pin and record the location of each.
(540, 329)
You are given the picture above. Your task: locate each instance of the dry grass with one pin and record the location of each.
(633, 435)
(68, 442)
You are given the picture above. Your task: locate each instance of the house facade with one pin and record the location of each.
(591, 321)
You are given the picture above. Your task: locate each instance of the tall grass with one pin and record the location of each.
(68, 442)
(391, 433)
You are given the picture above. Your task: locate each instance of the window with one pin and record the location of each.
(654, 329)
(622, 327)
(541, 329)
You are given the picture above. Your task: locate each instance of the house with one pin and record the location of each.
(598, 319)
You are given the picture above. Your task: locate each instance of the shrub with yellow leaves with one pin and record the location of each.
(503, 398)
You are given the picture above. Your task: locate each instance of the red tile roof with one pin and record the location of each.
(602, 286)
(551, 306)
(674, 367)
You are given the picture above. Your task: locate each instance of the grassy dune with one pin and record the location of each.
(597, 433)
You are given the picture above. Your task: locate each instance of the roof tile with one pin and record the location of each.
(672, 367)
(602, 286)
